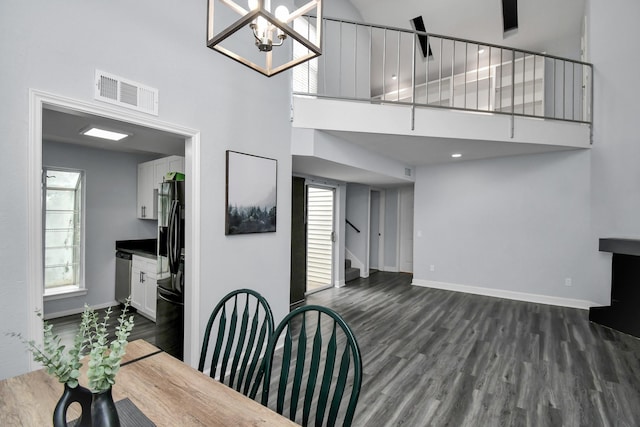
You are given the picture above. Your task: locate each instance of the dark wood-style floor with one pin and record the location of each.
(143, 328)
(440, 358)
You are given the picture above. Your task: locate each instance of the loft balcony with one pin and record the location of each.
(417, 97)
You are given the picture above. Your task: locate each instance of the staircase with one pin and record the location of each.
(350, 273)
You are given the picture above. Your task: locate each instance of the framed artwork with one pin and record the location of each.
(251, 194)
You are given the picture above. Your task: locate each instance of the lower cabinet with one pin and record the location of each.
(143, 286)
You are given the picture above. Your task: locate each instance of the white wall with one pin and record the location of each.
(519, 224)
(110, 215)
(56, 47)
(615, 200)
(357, 212)
(616, 149)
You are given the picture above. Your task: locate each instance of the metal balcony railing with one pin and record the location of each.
(372, 63)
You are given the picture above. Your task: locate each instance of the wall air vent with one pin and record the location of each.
(125, 93)
(407, 171)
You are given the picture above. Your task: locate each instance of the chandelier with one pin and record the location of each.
(268, 30)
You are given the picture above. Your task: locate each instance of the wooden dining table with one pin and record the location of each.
(167, 391)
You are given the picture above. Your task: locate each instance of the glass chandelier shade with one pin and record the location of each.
(264, 48)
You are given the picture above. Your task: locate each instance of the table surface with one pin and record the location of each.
(166, 390)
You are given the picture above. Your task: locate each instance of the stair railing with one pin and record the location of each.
(387, 65)
(352, 226)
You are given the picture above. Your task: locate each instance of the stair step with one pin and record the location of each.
(351, 274)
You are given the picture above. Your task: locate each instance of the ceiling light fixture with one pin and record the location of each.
(456, 155)
(269, 30)
(394, 77)
(103, 133)
(481, 51)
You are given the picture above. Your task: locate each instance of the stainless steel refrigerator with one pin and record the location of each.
(170, 278)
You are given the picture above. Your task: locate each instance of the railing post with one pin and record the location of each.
(440, 77)
(355, 65)
(564, 92)
(591, 102)
(413, 84)
(534, 85)
(477, 77)
(453, 67)
(466, 55)
(489, 82)
(340, 64)
(384, 63)
(513, 91)
(524, 79)
(398, 69)
(426, 79)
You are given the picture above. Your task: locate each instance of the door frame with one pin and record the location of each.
(334, 188)
(38, 100)
(381, 229)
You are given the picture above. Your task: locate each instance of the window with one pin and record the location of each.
(305, 75)
(63, 230)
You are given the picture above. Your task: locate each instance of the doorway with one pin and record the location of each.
(39, 102)
(376, 225)
(320, 237)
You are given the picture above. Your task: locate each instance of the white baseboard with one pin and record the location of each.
(339, 283)
(391, 269)
(513, 295)
(50, 316)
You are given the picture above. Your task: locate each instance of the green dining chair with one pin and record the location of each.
(319, 348)
(244, 325)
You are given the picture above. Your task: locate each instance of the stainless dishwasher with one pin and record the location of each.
(123, 275)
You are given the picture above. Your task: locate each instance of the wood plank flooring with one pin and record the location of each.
(143, 328)
(440, 358)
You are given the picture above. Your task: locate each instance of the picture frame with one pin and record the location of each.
(251, 194)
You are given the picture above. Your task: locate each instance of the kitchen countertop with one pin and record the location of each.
(141, 247)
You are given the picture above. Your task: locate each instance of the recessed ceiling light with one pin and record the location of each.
(456, 155)
(103, 133)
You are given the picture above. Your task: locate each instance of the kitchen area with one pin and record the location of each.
(132, 221)
(151, 271)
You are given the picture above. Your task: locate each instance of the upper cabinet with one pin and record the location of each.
(150, 176)
(147, 197)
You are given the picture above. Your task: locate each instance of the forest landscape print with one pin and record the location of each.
(251, 194)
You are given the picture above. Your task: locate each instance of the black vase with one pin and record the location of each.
(103, 410)
(70, 395)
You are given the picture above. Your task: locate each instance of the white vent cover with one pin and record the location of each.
(125, 93)
(407, 172)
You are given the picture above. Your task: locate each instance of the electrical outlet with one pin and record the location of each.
(568, 282)
(432, 267)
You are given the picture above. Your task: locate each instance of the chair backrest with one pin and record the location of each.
(319, 347)
(243, 341)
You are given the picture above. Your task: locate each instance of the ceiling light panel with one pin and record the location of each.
(104, 134)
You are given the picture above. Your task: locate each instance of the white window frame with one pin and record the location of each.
(79, 288)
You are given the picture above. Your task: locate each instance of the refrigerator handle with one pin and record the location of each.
(172, 241)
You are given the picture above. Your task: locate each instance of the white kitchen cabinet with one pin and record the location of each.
(147, 196)
(150, 176)
(143, 286)
(167, 164)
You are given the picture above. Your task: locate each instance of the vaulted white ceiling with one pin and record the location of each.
(544, 25)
